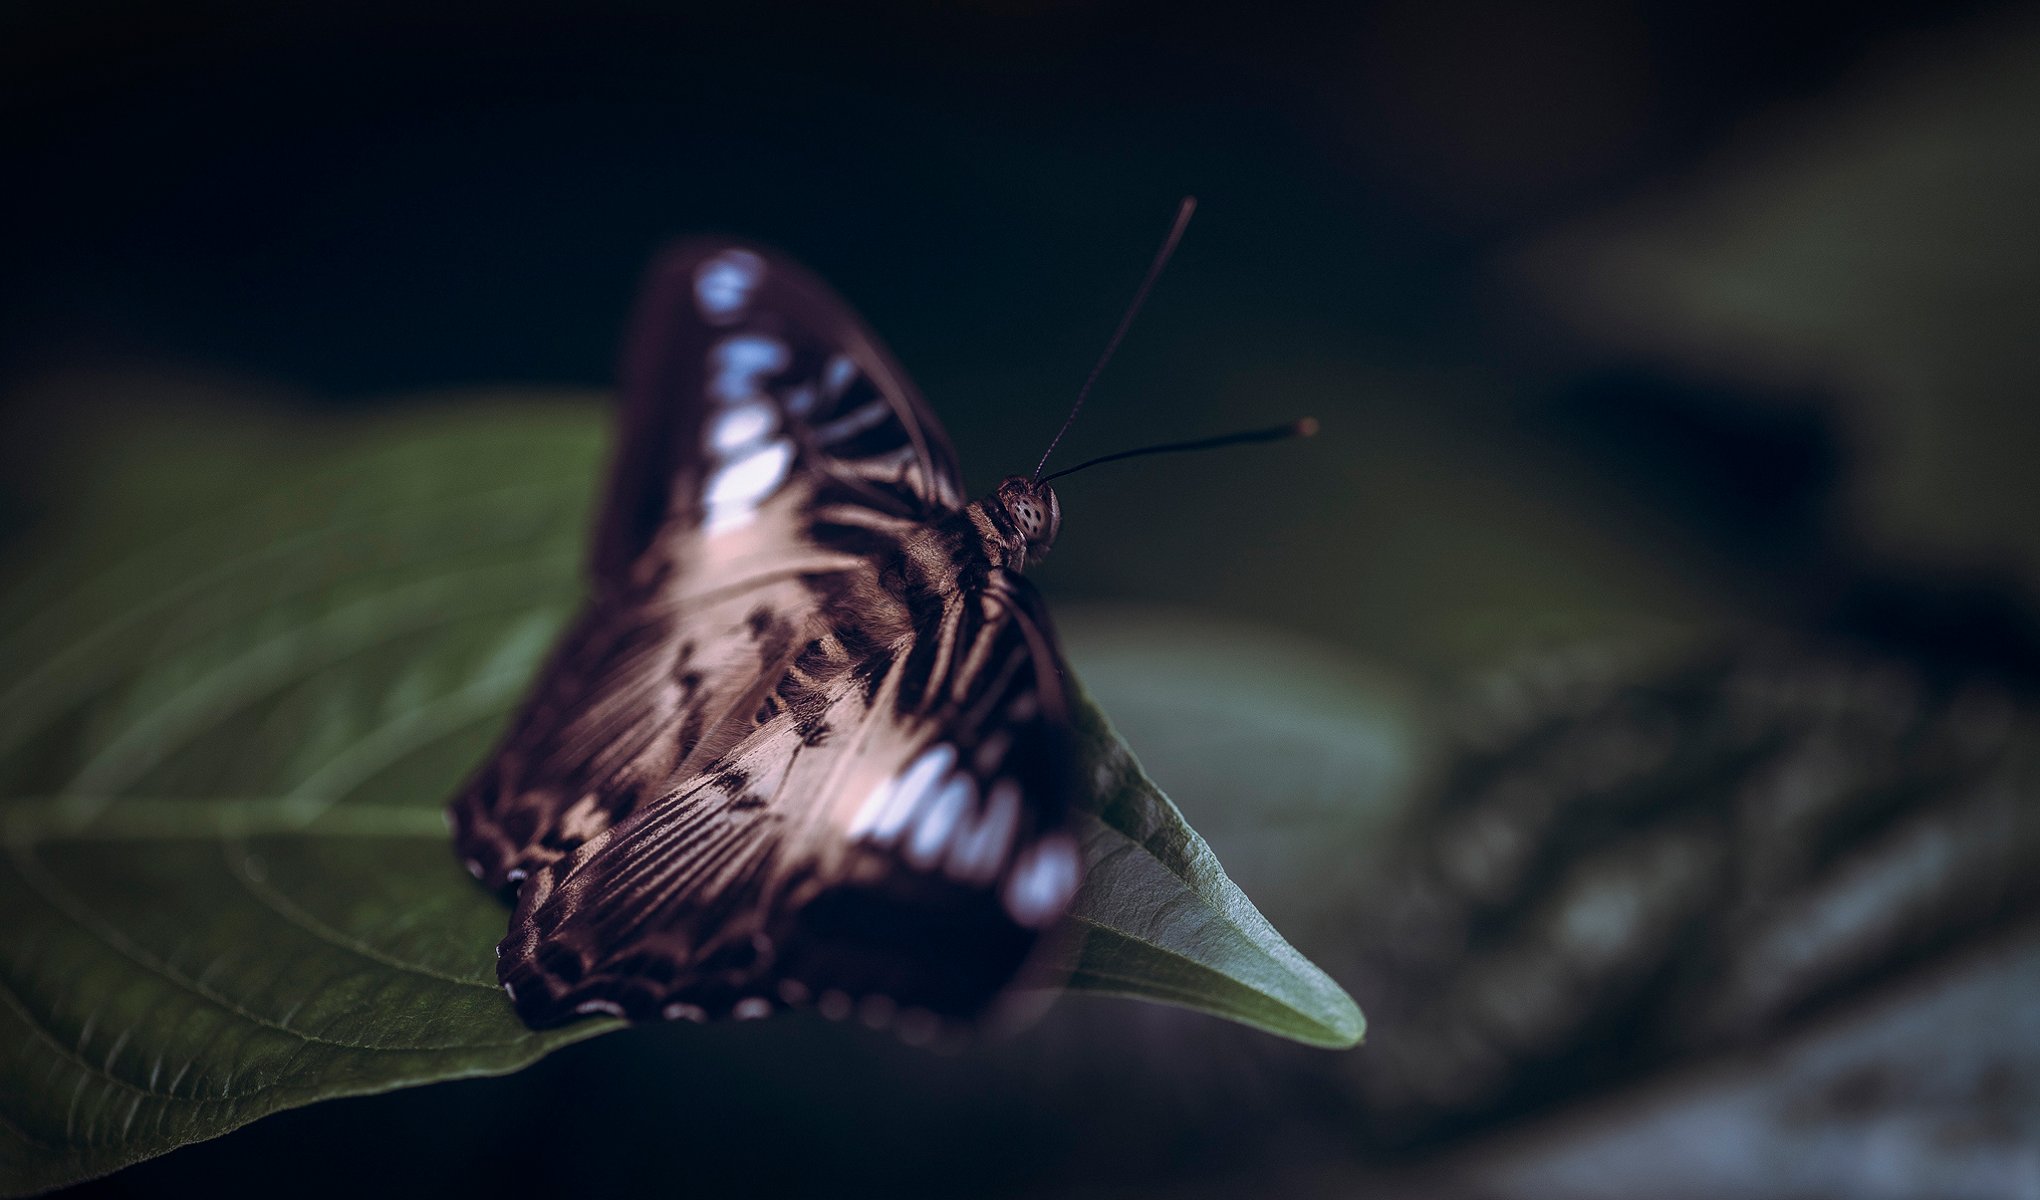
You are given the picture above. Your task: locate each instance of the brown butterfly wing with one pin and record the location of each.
(900, 848)
(722, 326)
(770, 450)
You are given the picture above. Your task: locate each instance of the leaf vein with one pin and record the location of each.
(55, 895)
(340, 633)
(47, 1036)
(287, 909)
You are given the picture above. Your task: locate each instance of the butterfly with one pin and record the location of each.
(809, 742)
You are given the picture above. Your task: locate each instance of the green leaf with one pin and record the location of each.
(1162, 922)
(239, 684)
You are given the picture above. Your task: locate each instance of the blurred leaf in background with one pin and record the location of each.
(1873, 244)
(1631, 696)
(228, 749)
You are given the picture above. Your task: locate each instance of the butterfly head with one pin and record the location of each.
(1031, 510)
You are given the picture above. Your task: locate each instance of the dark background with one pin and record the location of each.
(1615, 311)
(344, 205)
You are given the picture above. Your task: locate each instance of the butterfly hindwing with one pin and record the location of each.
(770, 455)
(906, 859)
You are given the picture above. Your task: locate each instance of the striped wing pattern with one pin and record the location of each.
(756, 409)
(892, 841)
(807, 743)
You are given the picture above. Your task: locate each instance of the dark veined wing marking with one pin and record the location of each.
(904, 864)
(808, 741)
(744, 371)
(770, 459)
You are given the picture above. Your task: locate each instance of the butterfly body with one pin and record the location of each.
(808, 742)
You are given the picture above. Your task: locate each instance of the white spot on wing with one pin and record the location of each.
(1043, 880)
(977, 855)
(874, 804)
(684, 1012)
(751, 1008)
(913, 787)
(836, 376)
(723, 285)
(939, 818)
(740, 365)
(738, 427)
(735, 491)
(606, 1007)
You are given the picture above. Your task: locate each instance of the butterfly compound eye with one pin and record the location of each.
(1034, 512)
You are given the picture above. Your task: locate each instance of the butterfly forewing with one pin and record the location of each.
(770, 453)
(743, 372)
(808, 740)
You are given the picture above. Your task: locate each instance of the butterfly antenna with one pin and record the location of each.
(1305, 427)
(1154, 272)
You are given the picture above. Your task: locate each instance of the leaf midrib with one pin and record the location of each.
(224, 820)
(1275, 1003)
